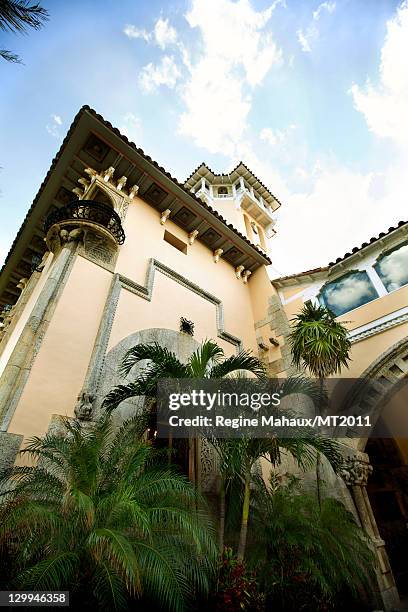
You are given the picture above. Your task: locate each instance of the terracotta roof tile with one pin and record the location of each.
(124, 138)
(339, 259)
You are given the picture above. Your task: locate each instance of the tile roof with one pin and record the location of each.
(372, 240)
(124, 138)
(222, 174)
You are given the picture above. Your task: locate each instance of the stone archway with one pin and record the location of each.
(382, 379)
(180, 344)
(375, 386)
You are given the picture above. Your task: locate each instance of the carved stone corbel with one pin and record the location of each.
(217, 254)
(22, 283)
(192, 236)
(164, 216)
(121, 183)
(245, 275)
(133, 191)
(108, 173)
(82, 181)
(90, 172)
(78, 192)
(238, 271)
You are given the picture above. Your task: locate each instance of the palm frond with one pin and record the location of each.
(114, 524)
(207, 353)
(19, 15)
(243, 361)
(10, 57)
(119, 394)
(319, 342)
(154, 352)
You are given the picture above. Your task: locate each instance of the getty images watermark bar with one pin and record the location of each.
(293, 407)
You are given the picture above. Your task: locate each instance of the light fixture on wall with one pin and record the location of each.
(186, 326)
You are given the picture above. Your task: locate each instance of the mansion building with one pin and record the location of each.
(114, 251)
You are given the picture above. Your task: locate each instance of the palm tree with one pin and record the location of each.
(242, 454)
(321, 345)
(208, 361)
(307, 556)
(18, 16)
(99, 516)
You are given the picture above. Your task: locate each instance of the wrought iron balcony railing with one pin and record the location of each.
(88, 210)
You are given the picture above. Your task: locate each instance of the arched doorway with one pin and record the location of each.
(387, 489)
(183, 345)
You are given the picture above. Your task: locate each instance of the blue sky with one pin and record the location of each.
(313, 96)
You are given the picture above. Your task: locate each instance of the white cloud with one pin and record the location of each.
(164, 33)
(394, 268)
(385, 106)
(311, 33)
(53, 127)
(165, 73)
(132, 31)
(303, 41)
(237, 53)
(330, 7)
(349, 292)
(276, 137)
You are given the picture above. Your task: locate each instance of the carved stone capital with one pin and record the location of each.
(355, 471)
(57, 236)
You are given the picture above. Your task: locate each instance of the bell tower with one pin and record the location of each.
(239, 197)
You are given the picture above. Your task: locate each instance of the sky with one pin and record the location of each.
(312, 96)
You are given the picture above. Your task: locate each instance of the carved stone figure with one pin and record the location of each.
(83, 407)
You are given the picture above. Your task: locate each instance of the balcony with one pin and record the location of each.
(82, 212)
(255, 206)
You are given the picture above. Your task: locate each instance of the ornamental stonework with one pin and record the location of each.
(355, 471)
(100, 249)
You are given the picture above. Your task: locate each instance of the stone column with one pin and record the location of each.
(16, 372)
(84, 405)
(355, 474)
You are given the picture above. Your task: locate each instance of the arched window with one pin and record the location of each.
(256, 233)
(347, 292)
(392, 267)
(222, 190)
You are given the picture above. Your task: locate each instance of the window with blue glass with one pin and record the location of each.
(347, 292)
(392, 267)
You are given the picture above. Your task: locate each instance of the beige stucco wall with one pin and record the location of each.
(226, 207)
(59, 369)
(25, 314)
(364, 352)
(170, 300)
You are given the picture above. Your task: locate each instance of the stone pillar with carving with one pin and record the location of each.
(355, 474)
